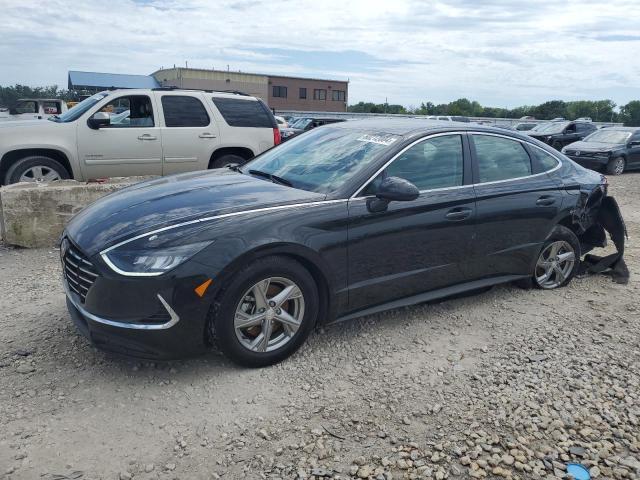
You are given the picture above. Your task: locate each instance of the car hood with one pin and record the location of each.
(169, 200)
(19, 124)
(593, 146)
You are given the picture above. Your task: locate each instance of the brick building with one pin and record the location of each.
(280, 92)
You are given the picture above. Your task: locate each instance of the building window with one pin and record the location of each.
(303, 93)
(338, 96)
(319, 94)
(280, 92)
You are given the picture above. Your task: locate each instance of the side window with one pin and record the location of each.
(541, 160)
(434, 163)
(51, 108)
(500, 158)
(183, 111)
(27, 107)
(571, 128)
(132, 111)
(244, 113)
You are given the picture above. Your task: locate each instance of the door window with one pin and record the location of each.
(27, 107)
(542, 161)
(434, 163)
(184, 111)
(133, 111)
(500, 158)
(244, 113)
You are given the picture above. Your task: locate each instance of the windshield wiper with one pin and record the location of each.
(272, 177)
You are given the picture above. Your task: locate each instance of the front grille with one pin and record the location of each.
(79, 272)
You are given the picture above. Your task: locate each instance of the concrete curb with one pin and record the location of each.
(34, 215)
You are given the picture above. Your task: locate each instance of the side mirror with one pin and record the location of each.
(634, 143)
(99, 120)
(392, 189)
(397, 189)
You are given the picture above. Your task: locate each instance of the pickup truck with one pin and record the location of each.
(34, 109)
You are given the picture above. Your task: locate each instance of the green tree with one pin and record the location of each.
(10, 94)
(630, 113)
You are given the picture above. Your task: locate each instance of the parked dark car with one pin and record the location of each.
(614, 149)
(347, 220)
(305, 124)
(561, 133)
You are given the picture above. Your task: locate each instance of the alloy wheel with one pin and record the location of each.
(618, 167)
(555, 264)
(269, 314)
(40, 173)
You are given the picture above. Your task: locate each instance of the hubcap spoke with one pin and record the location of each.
(563, 257)
(560, 277)
(269, 314)
(51, 176)
(289, 293)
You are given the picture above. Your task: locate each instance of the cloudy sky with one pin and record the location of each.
(502, 53)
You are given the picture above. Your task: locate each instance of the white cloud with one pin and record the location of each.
(500, 52)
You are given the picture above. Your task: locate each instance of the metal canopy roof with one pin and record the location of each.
(108, 80)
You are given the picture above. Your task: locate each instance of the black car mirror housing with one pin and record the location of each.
(634, 143)
(397, 189)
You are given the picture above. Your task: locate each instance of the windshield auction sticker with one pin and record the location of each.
(379, 139)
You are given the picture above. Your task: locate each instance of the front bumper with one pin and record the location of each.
(593, 163)
(146, 317)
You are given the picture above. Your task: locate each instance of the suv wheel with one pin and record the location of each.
(36, 168)
(226, 160)
(266, 312)
(558, 261)
(616, 166)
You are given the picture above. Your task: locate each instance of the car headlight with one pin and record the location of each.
(153, 254)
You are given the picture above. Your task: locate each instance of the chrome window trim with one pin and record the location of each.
(105, 258)
(470, 132)
(174, 318)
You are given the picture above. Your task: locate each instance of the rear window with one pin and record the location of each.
(244, 113)
(183, 111)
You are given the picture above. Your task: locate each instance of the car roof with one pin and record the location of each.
(623, 129)
(409, 127)
(145, 91)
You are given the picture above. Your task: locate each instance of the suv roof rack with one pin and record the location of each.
(171, 88)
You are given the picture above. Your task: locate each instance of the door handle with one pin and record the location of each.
(146, 136)
(207, 135)
(458, 214)
(545, 201)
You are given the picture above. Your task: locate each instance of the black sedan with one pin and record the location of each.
(347, 220)
(613, 149)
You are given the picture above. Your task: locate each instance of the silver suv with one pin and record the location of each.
(138, 132)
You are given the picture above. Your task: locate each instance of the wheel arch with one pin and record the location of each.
(9, 158)
(307, 257)
(243, 152)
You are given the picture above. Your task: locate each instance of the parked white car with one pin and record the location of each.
(34, 109)
(165, 131)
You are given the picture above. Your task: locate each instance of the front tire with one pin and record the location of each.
(616, 166)
(224, 160)
(558, 261)
(266, 313)
(36, 168)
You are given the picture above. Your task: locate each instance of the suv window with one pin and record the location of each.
(51, 108)
(27, 107)
(541, 160)
(500, 158)
(244, 113)
(184, 111)
(131, 111)
(583, 127)
(434, 163)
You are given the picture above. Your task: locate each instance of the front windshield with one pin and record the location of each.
(301, 123)
(552, 127)
(608, 136)
(323, 159)
(76, 111)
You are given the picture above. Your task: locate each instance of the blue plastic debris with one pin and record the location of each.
(577, 471)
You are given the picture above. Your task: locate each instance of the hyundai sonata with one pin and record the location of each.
(346, 220)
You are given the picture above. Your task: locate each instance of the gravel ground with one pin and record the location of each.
(504, 384)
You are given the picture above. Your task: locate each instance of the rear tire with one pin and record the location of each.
(557, 145)
(558, 260)
(225, 160)
(36, 168)
(251, 299)
(616, 166)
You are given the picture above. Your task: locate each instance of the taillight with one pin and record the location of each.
(276, 136)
